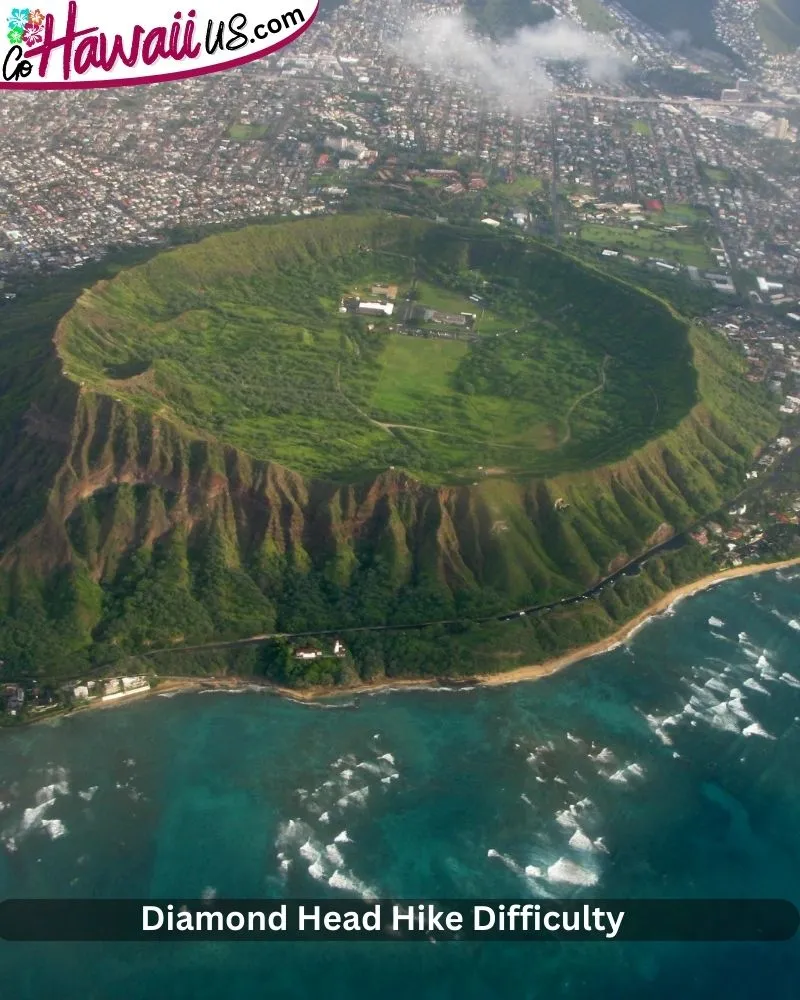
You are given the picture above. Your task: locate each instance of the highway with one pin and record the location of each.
(635, 99)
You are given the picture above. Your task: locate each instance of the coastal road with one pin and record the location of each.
(631, 568)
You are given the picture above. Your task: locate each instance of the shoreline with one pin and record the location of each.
(626, 631)
(171, 686)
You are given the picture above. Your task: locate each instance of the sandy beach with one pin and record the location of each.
(627, 630)
(167, 686)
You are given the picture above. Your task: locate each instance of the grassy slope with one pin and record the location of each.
(152, 536)
(596, 16)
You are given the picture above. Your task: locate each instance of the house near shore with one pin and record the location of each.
(307, 653)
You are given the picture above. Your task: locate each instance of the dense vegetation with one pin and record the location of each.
(131, 526)
(779, 24)
(499, 18)
(241, 337)
(689, 16)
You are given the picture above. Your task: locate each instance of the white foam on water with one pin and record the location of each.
(310, 852)
(390, 778)
(620, 776)
(559, 780)
(333, 854)
(54, 827)
(209, 892)
(606, 756)
(600, 845)
(567, 872)
(657, 725)
(347, 774)
(48, 792)
(790, 680)
(533, 871)
(507, 861)
(347, 882)
(791, 622)
(716, 622)
(316, 871)
(387, 757)
(753, 684)
(32, 818)
(580, 842)
(366, 765)
(642, 624)
(89, 794)
(751, 651)
(756, 730)
(325, 817)
(721, 717)
(715, 684)
(575, 739)
(342, 838)
(566, 818)
(358, 796)
(702, 696)
(292, 833)
(636, 769)
(736, 705)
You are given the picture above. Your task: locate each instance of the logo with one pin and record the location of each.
(80, 45)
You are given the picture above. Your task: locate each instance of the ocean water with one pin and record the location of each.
(669, 766)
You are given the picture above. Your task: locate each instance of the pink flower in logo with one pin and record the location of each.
(33, 34)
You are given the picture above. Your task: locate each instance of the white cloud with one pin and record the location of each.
(512, 73)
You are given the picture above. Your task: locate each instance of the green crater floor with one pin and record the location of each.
(242, 337)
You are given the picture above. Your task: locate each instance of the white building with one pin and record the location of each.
(376, 308)
(307, 653)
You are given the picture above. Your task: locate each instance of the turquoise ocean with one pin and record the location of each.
(669, 766)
